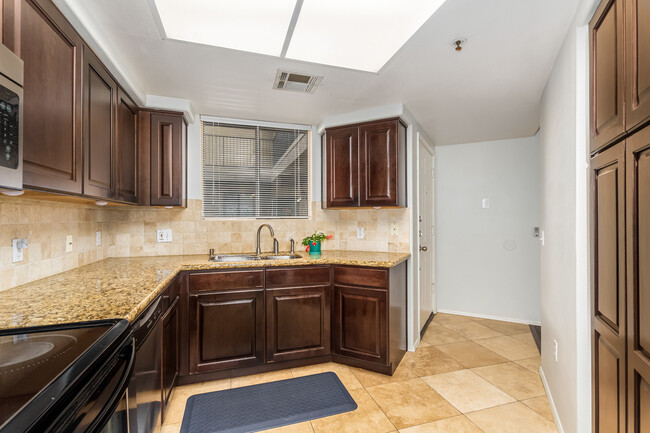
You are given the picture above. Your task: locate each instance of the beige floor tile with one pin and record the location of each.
(342, 371)
(467, 391)
(368, 417)
(470, 354)
(509, 348)
(455, 424)
(423, 343)
(302, 427)
(473, 330)
(506, 328)
(444, 318)
(427, 361)
(370, 378)
(511, 418)
(531, 364)
(541, 406)
(514, 379)
(411, 403)
(171, 428)
(255, 379)
(438, 334)
(525, 338)
(176, 409)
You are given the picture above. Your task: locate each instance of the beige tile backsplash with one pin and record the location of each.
(131, 231)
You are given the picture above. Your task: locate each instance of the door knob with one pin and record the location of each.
(423, 248)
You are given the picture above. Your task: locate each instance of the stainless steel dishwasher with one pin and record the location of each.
(148, 367)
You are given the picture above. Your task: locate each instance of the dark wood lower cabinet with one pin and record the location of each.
(608, 288)
(297, 323)
(360, 319)
(170, 352)
(638, 281)
(226, 330)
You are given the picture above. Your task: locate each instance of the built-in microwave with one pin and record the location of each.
(11, 112)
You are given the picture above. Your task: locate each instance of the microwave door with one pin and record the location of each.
(11, 150)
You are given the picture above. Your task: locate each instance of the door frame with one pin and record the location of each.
(422, 141)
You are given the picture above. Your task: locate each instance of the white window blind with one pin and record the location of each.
(252, 171)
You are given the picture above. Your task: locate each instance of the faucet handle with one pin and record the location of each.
(292, 245)
(211, 252)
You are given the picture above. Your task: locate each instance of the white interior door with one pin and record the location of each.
(426, 231)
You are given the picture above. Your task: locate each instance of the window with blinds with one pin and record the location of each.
(254, 172)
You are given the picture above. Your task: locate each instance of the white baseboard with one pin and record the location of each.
(551, 402)
(488, 316)
(416, 343)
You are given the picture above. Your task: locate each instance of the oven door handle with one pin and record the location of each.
(107, 411)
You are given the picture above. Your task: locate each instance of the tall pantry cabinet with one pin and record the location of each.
(620, 215)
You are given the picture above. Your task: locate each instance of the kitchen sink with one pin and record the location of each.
(281, 257)
(234, 258)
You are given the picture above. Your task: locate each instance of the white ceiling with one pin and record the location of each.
(489, 91)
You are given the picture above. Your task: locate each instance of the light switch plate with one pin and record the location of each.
(394, 229)
(164, 235)
(359, 232)
(485, 203)
(17, 250)
(98, 238)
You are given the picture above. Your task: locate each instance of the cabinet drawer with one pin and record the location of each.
(361, 276)
(213, 281)
(298, 276)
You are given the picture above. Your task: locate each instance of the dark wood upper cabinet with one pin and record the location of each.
(162, 147)
(637, 46)
(100, 97)
(607, 74)
(382, 153)
(608, 288)
(638, 280)
(52, 53)
(342, 167)
(127, 148)
(365, 165)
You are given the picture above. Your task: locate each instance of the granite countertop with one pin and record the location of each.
(121, 288)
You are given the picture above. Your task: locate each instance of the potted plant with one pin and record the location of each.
(312, 242)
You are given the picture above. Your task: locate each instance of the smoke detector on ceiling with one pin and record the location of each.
(296, 82)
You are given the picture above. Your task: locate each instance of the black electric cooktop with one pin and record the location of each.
(33, 360)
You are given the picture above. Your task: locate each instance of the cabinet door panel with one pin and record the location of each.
(170, 355)
(606, 74)
(100, 95)
(298, 323)
(51, 51)
(608, 288)
(127, 149)
(638, 278)
(227, 330)
(360, 323)
(378, 163)
(638, 62)
(166, 160)
(342, 167)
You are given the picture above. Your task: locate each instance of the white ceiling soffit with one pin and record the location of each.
(356, 34)
(489, 91)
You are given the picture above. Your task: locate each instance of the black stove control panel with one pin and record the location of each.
(9, 151)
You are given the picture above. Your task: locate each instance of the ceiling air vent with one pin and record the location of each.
(296, 82)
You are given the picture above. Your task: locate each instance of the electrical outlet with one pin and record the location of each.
(68, 243)
(555, 349)
(164, 235)
(359, 232)
(393, 229)
(17, 246)
(98, 238)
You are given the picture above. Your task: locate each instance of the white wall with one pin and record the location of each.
(564, 273)
(478, 272)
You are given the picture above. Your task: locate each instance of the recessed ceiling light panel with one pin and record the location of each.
(357, 34)
(258, 26)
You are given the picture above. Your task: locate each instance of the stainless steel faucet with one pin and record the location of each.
(292, 246)
(275, 247)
